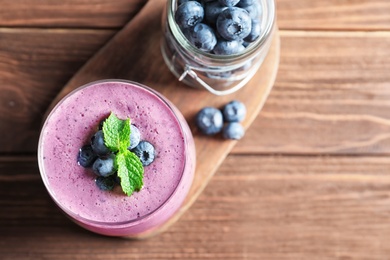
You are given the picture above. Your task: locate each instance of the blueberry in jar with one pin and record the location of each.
(211, 12)
(228, 3)
(234, 23)
(224, 47)
(255, 32)
(203, 37)
(188, 14)
(243, 3)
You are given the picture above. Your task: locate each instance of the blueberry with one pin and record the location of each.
(254, 10)
(234, 111)
(104, 166)
(243, 3)
(97, 143)
(233, 130)
(86, 156)
(211, 12)
(219, 74)
(135, 136)
(209, 120)
(234, 23)
(145, 152)
(179, 2)
(255, 32)
(228, 47)
(105, 183)
(228, 3)
(203, 37)
(189, 14)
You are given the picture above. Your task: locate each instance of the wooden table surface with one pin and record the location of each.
(310, 180)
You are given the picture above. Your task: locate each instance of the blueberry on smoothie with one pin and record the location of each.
(234, 111)
(188, 14)
(97, 143)
(135, 136)
(228, 47)
(105, 183)
(233, 130)
(209, 120)
(145, 152)
(228, 3)
(234, 23)
(203, 37)
(104, 166)
(86, 156)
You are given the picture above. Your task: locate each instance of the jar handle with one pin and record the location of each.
(192, 74)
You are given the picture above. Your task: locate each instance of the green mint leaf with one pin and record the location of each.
(116, 133)
(130, 172)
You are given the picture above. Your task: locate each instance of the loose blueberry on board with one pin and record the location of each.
(135, 136)
(104, 166)
(234, 23)
(233, 130)
(255, 32)
(188, 14)
(203, 37)
(229, 3)
(105, 183)
(228, 47)
(97, 143)
(209, 120)
(234, 111)
(86, 156)
(211, 12)
(145, 152)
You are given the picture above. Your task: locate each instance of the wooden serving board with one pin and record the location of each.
(134, 54)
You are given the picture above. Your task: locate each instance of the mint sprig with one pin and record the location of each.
(117, 139)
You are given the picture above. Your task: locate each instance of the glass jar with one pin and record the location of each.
(167, 180)
(219, 74)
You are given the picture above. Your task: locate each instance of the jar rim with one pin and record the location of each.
(268, 17)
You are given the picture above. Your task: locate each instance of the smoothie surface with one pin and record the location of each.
(75, 120)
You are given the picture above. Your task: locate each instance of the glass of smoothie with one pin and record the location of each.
(167, 180)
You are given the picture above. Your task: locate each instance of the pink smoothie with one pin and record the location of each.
(166, 181)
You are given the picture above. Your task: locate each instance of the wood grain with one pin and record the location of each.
(68, 13)
(327, 197)
(331, 96)
(355, 15)
(255, 207)
(327, 82)
(34, 65)
(299, 14)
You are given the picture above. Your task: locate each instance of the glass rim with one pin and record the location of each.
(112, 224)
